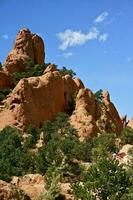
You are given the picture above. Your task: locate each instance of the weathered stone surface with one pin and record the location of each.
(71, 88)
(83, 118)
(38, 49)
(9, 191)
(110, 116)
(27, 47)
(33, 185)
(50, 68)
(37, 99)
(5, 80)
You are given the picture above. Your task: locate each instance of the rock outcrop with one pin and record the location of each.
(37, 99)
(33, 185)
(111, 118)
(9, 191)
(83, 118)
(29, 187)
(91, 117)
(27, 48)
(5, 80)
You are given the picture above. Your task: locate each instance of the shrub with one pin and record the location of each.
(64, 71)
(104, 180)
(34, 135)
(4, 93)
(14, 160)
(99, 96)
(127, 136)
(31, 70)
(104, 146)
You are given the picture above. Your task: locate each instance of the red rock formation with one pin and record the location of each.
(83, 118)
(27, 47)
(5, 80)
(110, 116)
(37, 99)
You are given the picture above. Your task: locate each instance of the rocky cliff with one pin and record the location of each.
(37, 99)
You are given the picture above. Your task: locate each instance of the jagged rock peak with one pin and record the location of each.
(27, 47)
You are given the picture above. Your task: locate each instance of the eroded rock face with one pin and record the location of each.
(5, 80)
(27, 47)
(83, 118)
(92, 117)
(111, 118)
(37, 99)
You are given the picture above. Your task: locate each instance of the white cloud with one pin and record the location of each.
(5, 36)
(65, 55)
(103, 37)
(71, 38)
(101, 17)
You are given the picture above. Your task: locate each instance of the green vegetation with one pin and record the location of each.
(99, 96)
(64, 71)
(0, 65)
(37, 70)
(104, 180)
(127, 136)
(14, 160)
(31, 70)
(104, 146)
(4, 93)
(89, 165)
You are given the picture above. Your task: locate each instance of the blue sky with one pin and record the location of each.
(93, 37)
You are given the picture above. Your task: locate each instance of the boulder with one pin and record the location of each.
(8, 191)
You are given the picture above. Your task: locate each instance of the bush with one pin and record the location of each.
(4, 93)
(14, 160)
(104, 146)
(34, 135)
(127, 136)
(99, 96)
(31, 70)
(64, 71)
(104, 180)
